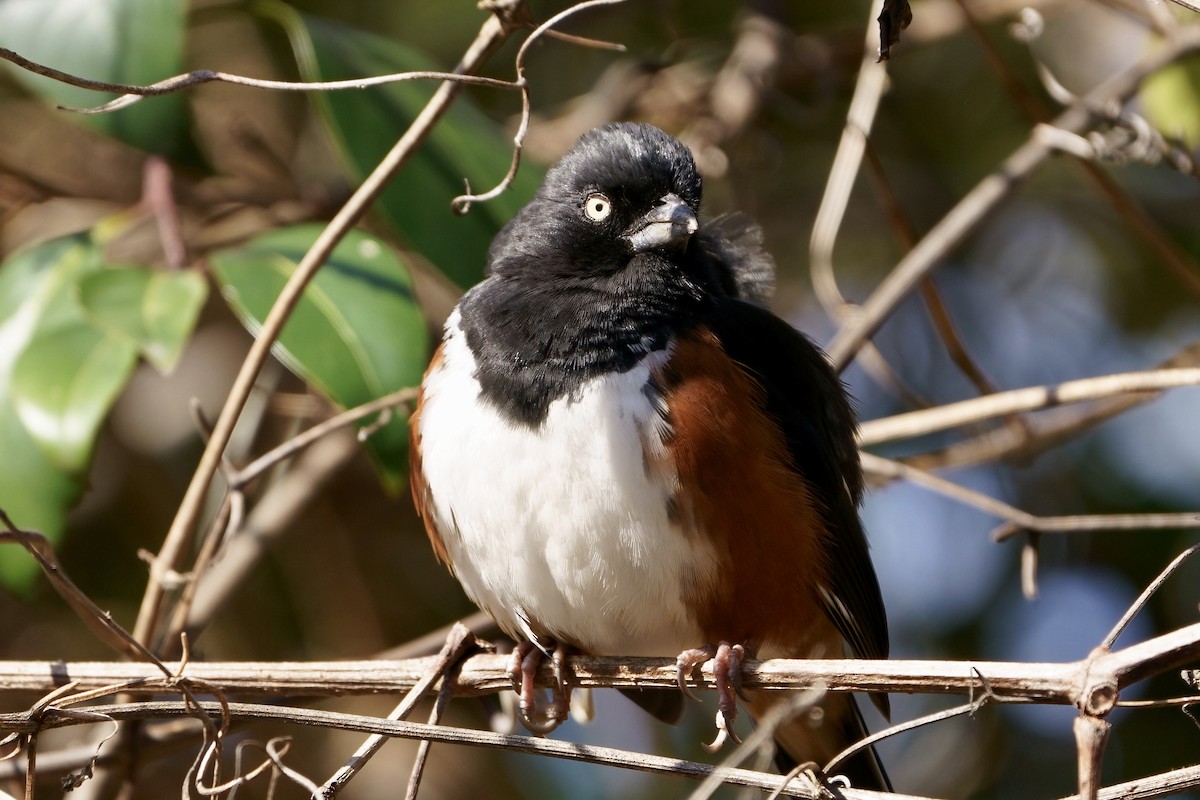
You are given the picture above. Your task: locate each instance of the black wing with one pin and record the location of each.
(809, 402)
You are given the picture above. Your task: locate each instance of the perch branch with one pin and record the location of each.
(1051, 682)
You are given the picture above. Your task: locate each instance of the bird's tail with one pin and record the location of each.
(821, 733)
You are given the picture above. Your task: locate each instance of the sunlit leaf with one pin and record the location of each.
(116, 41)
(364, 124)
(154, 309)
(357, 333)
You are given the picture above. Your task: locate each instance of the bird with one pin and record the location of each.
(618, 450)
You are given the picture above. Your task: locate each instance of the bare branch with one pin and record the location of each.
(1017, 519)
(868, 91)
(458, 642)
(98, 621)
(463, 736)
(1051, 682)
(1165, 784)
(1091, 738)
(132, 93)
(1146, 594)
(1050, 428)
(1033, 398)
(299, 442)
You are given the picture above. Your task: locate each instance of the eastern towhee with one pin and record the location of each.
(617, 449)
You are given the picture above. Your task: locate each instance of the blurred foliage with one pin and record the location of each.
(356, 335)
(117, 41)
(98, 446)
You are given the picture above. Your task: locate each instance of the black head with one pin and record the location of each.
(600, 268)
(624, 191)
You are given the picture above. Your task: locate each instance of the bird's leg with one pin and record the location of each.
(727, 671)
(526, 659)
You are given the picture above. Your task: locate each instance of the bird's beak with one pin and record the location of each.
(668, 225)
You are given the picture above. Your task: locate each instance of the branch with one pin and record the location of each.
(1047, 682)
(438, 733)
(1016, 519)
(1050, 428)
(1032, 398)
(132, 93)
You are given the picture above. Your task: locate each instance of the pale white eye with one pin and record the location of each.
(597, 207)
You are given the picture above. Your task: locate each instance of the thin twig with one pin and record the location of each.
(462, 203)
(480, 623)
(100, 622)
(1018, 520)
(132, 93)
(1146, 594)
(1032, 398)
(1146, 228)
(435, 718)
(1165, 784)
(903, 727)
(458, 643)
(273, 515)
(868, 91)
(939, 315)
(302, 440)
(764, 731)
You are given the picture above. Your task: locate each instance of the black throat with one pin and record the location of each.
(537, 341)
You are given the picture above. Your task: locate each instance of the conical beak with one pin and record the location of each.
(668, 225)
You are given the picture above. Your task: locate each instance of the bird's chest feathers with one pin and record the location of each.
(564, 529)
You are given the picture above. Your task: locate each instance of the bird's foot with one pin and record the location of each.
(526, 659)
(727, 671)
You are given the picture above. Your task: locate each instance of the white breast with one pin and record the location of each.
(561, 531)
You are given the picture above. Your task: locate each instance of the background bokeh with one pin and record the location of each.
(1054, 286)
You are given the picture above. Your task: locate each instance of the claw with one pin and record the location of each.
(686, 664)
(724, 733)
(526, 659)
(559, 668)
(727, 671)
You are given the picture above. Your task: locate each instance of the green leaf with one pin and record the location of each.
(365, 123)
(357, 333)
(154, 309)
(117, 41)
(58, 376)
(1172, 100)
(64, 383)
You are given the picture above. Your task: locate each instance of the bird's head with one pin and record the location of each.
(625, 191)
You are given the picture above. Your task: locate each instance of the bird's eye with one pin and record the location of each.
(597, 207)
